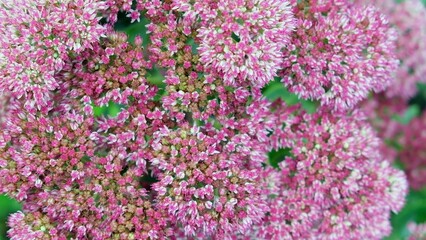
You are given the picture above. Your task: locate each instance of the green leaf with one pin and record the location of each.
(137, 29)
(412, 112)
(413, 211)
(309, 106)
(155, 77)
(235, 37)
(112, 109)
(276, 90)
(7, 207)
(277, 156)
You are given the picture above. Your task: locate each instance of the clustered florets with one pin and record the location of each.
(413, 156)
(186, 156)
(339, 53)
(33, 50)
(242, 41)
(332, 172)
(409, 20)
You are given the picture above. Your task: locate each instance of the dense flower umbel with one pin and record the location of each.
(242, 41)
(113, 70)
(31, 226)
(409, 19)
(78, 179)
(204, 184)
(333, 184)
(37, 36)
(239, 41)
(339, 53)
(31, 147)
(127, 146)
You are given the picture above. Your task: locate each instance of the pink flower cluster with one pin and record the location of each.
(409, 19)
(243, 39)
(37, 37)
(403, 140)
(203, 184)
(187, 157)
(333, 184)
(340, 52)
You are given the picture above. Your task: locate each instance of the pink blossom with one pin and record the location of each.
(334, 184)
(243, 44)
(339, 53)
(134, 15)
(186, 153)
(38, 36)
(205, 191)
(409, 19)
(31, 226)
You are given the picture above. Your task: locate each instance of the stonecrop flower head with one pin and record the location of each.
(37, 37)
(403, 139)
(203, 184)
(339, 52)
(112, 70)
(381, 112)
(77, 176)
(77, 156)
(333, 183)
(409, 19)
(242, 40)
(30, 226)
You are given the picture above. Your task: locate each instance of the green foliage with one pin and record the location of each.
(134, 29)
(7, 207)
(276, 90)
(112, 110)
(411, 112)
(413, 211)
(277, 156)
